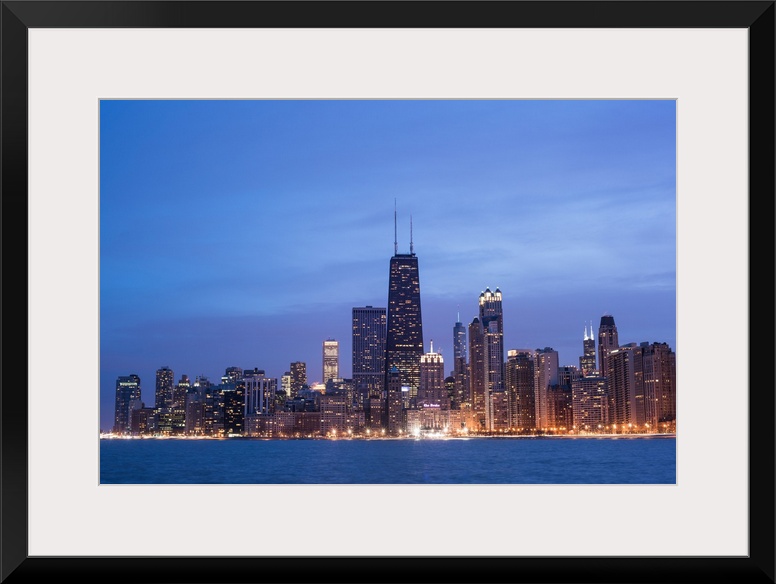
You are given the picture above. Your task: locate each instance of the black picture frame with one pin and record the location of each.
(19, 16)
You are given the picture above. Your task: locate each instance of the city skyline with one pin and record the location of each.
(568, 208)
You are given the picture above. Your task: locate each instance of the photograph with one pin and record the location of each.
(388, 291)
(363, 292)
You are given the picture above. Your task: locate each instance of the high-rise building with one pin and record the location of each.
(330, 360)
(607, 340)
(404, 327)
(587, 360)
(298, 377)
(368, 352)
(492, 320)
(460, 373)
(127, 391)
(459, 339)
(624, 372)
(164, 388)
(546, 371)
(477, 372)
(660, 385)
(393, 412)
(259, 392)
(432, 392)
(589, 403)
(285, 384)
(520, 381)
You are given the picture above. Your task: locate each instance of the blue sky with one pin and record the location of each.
(242, 233)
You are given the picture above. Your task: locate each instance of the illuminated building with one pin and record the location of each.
(330, 368)
(492, 322)
(164, 388)
(285, 383)
(520, 380)
(368, 352)
(127, 391)
(546, 372)
(660, 383)
(477, 372)
(432, 392)
(460, 372)
(624, 371)
(607, 341)
(164, 399)
(259, 392)
(333, 409)
(394, 422)
(589, 403)
(560, 414)
(404, 326)
(298, 377)
(587, 360)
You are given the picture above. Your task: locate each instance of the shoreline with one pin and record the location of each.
(413, 438)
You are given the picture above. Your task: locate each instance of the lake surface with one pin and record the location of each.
(524, 460)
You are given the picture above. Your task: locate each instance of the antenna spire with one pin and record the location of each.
(411, 250)
(395, 242)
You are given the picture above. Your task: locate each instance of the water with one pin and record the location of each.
(631, 460)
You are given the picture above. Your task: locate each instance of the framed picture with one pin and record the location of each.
(61, 60)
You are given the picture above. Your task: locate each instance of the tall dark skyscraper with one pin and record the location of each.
(127, 391)
(368, 350)
(587, 360)
(460, 373)
(477, 371)
(164, 388)
(607, 341)
(404, 333)
(492, 323)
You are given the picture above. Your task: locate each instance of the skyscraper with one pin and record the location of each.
(404, 327)
(368, 352)
(460, 372)
(477, 372)
(492, 321)
(607, 341)
(546, 375)
(587, 360)
(432, 392)
(520, 380)
(330, 360)
(298, 377)
(164, 388)
(127, 391)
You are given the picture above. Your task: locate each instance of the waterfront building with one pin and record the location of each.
(477, 372)
(608, 340)
(368, 352)
(660, 385)
(560, 410)
(520, 380)
(587, 360)
(127, 391)
(624, 370)
(404, 326)
(432, 392)
(298, 377)
(285, 384)
(259, 392)
(393, 411)
(330, 368)
(195, 413)
(492, 324)
(333, 414)
(234, 409)
(460, 373)
(590, 403)
(546, 374)
(164, 388)
(142, 419)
